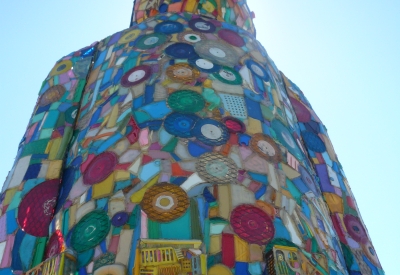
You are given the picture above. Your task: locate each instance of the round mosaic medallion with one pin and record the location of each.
(119, 219)
(179, 124)
(231, 37)
(150, 41)
(355, 228)
(257, 69)
(90, 230)
(169, 27)
(165, 202)
(52, 94)
(54, 245)
(36, 209)
(234, 125)
(129, 36)
(186, 101)
(370, 252)
(182, 72)
(190, 37)
(136, 76)
(100, 168)
(201, 25)
(61, 67)
(181, 51)
(217, 52)
(216, 168)
(266, 147)
(228, 76)
(252, 224)
(210, 132)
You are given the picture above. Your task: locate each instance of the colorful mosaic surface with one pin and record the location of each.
(177, 147)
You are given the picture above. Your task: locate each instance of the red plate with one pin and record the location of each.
(37, 208)
(231, 37)
(100, 168)
(252, 224)
(54, 246)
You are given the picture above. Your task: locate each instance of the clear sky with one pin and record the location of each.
(344, 55)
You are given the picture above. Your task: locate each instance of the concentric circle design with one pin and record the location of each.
(286, 139)
(182, 72)
(181, 50)
(136, 75)
(201, 25)
(90, 230)
(370, 252)
(231, 37)
(100, 168)
(165, 202)
(54, 245)
(216, 168)
(180, 124)
(308, 179)
(217, 52)
(190, 37)
(313, 142)
(52, 94)
(119, 219)
(228, 76)
(234, 125)
(186, 101)
(129, 36)
(258, 70)
(204, 65)
(169, 27)
(355, 228)
(36, 209)
(211, 132)
(301, 111)
(61, 67)
(266, 147)
(150, 41)
(252, 224)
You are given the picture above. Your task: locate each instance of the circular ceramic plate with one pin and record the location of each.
(228, 76)
(234, 125)
(217, 52)
(216, 168)
(150, 41)
(231, 37)
(258, 70)
(182, 72)
(61, 67)
(179, 124)
(52, 94)
(119, 219)
(190, 37)
(252, 224)
(204, 65)
(100, 168)
(201, 25)
(181, 51)
(211, 132)
(129, 36)
(355, 228)
(136, 76)
(90, 230)
(36, 209)
(370, 252)
(169, 27)
(186, 101)
(165, 202)
(313, 142)
(266, 147)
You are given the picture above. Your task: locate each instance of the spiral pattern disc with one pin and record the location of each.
(216, 168)
(266, 147)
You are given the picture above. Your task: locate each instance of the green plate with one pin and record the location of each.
(186, 101)
(229, 76)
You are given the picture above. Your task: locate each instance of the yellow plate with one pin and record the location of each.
(219, 269)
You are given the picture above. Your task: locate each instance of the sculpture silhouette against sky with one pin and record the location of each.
(177, 147)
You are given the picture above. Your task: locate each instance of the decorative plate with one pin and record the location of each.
(216, 168)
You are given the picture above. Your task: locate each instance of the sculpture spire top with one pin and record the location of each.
(235, 12)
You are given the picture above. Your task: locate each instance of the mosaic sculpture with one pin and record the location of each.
(177, 147)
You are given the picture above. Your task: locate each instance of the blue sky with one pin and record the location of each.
(344, 55)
